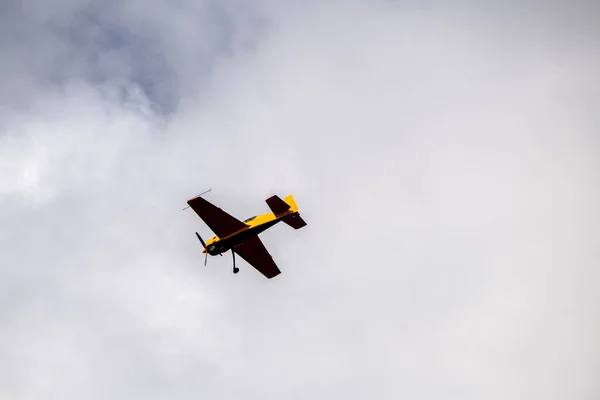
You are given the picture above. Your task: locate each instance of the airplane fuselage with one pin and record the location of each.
(255, 226)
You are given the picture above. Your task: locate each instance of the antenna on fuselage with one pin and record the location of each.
(203, 193)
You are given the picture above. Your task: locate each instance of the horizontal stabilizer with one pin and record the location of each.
(295, 221)
(277, 205)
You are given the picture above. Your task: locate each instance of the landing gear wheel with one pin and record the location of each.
(235, 269)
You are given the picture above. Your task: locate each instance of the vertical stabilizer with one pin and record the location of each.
(290, 200)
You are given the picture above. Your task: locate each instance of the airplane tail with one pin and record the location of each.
(290, 200)
(280, 207)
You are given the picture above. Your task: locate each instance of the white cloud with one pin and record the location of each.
(447, 171)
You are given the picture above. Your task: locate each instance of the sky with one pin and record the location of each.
(446, 157)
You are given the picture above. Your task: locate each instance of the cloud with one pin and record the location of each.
(446, 165)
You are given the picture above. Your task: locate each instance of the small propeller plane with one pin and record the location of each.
(242, 237)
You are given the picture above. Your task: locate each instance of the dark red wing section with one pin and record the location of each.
(221, 223)
(255, 254)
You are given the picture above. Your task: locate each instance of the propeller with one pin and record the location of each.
(199, 238)
(203, 245)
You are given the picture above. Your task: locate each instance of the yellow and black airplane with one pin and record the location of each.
(242, 237)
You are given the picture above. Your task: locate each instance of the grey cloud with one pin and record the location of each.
(168, 50)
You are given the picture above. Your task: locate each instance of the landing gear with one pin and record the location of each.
(235, 269)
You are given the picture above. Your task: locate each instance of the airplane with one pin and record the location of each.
(241, 237)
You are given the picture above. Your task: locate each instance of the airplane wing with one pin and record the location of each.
(221, 223)
(255, 254)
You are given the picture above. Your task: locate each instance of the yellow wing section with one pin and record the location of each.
(289, 199)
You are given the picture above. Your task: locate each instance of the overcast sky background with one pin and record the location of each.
(446, 159)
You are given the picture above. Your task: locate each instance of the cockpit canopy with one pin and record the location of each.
(250, 219)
